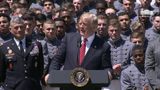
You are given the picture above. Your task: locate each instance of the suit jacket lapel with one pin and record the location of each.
(14, 47)
(29, 46)
(77, 48)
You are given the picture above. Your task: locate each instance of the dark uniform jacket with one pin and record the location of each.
(21, 71)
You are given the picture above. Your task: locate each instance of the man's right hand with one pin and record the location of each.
(46, 78)
(117, 68)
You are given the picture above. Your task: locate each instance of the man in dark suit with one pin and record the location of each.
(97, 52)
(21, 63)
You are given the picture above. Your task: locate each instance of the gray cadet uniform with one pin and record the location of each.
(121, 52)
(156, 8)
(152, 63)
(132, 16)
(151, 34)
(50, 48)
(133, 78)
(118, 6)
(126, 35)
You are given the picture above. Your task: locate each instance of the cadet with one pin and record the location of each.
(138, 38)
(78, 7)
(50, 43)
(110, 11)
(21, 60)
(102, 27)
(120, 49)
(29, 21)
(38, 32)
(69, 21)
(129, 7)
(4, 7)
(138, 27)
(145, 4)
(156, 6)
(100, 7)
(4, 28)
(60, 28)
(154, 32)
(48, 8)
(117, 5)
(124, 21)
(144, 19)
(133, 77)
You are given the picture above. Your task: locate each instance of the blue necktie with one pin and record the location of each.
(21, 47)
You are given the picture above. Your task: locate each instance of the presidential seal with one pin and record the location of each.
(79, 77)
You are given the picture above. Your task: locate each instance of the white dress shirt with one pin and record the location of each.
(18, 43)
(88, 42)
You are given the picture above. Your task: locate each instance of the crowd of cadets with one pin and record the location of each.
(121, 23)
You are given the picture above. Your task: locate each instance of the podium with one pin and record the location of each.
(61, 78)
